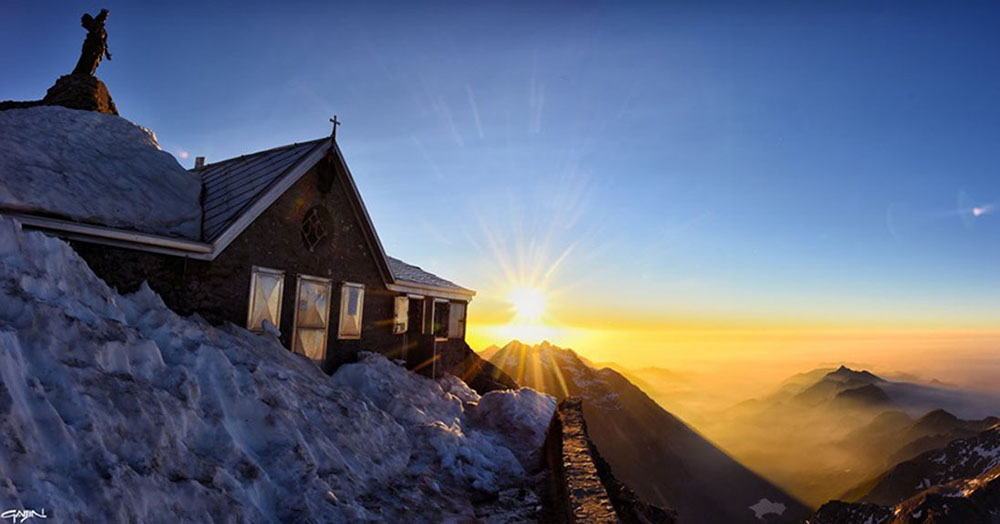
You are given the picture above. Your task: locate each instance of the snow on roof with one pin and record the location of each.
(231, 186)
(413, 274)
(94, 168)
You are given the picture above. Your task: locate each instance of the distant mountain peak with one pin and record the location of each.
(937, 419)
(846, 373)
(939, 414)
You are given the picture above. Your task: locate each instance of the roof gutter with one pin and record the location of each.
(116, 237)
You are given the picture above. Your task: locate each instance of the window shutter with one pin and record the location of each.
(352, 300)
(266, 287)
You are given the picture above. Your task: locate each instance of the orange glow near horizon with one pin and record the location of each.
(526, 305)
(535, 283)
(764, 355)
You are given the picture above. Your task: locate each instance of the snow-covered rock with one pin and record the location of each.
(114, 408)
(521, 417)
(94, 168)
(460, 389)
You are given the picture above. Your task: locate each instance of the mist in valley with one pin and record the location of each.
(827, 431)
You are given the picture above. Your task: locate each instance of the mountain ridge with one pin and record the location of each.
(649, 449)
(959, 483)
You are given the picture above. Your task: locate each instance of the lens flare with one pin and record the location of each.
(528, 303)
(979, 211)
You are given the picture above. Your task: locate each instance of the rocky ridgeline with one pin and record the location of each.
(959, 484)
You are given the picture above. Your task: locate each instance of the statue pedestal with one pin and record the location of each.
(81, 92)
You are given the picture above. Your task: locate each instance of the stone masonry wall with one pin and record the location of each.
(582, 488)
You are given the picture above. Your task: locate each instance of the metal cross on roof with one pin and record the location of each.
(335, 124)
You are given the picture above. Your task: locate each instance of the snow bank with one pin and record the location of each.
(94, 168)
(113, 408)
(440, 435)
(521, 417)
(456, 387)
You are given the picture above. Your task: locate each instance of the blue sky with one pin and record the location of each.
(791, 161)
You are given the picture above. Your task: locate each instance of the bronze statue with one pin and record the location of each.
(96, 44)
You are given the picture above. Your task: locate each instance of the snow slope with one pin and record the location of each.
(94, 168)
(113, 408)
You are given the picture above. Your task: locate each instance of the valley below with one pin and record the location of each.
(829, 445)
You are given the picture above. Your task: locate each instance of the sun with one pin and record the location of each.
(529, 304)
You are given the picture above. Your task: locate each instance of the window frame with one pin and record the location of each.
(434, 319)
(295, 319)
(254, 271)
(423, 311)
(399, 328)
(343, 310)
(459, 323)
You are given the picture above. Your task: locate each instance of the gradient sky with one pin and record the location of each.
(766, 164)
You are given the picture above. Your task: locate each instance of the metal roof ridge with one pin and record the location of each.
(255, 153)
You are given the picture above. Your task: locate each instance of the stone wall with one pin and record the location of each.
(582, 487)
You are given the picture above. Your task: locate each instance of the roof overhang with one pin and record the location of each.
(401, 286)
(110, 236)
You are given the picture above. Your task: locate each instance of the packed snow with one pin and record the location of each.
(114, 408)
(765, 507)
(95, 168)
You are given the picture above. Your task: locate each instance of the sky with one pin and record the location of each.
(686, 181)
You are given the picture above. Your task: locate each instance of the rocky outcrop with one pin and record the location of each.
(74, 91)
(959, 484)
(582, 486)
(934, 506)
(837, 512)
(81, 92)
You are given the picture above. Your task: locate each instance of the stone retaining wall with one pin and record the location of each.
(578, 495)
(582, 487)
